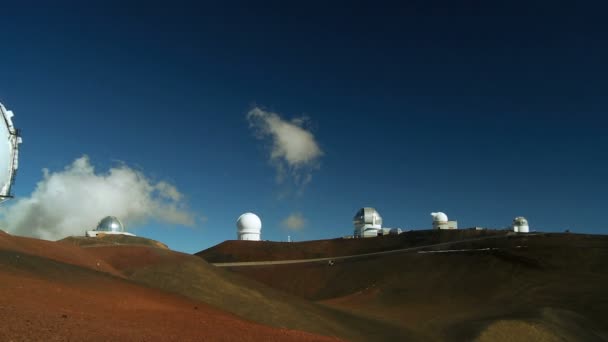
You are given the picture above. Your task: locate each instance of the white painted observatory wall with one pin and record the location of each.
(440, 221)
(249, 236)
(94, 233)
(520, 225)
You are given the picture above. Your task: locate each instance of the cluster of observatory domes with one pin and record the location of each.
(367, 222)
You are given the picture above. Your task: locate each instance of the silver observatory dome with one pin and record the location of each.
(110, 224)
(367, 216)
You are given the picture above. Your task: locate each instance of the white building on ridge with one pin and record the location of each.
(249, 227)
(367, 222)
(520, 225)
(440, 221)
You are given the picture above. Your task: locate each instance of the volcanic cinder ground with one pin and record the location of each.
(435, 285)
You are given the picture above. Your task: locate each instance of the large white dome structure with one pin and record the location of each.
(367, 222)
(520, 225)
(249, 227)
(108, 225)
(440, 221)
(9, 153)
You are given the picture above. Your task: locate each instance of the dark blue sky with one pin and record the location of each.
(484, 111)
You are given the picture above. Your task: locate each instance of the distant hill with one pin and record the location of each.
(235, 251)
(112, 239)
(510, 288)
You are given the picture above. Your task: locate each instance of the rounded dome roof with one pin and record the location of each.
(249, 222)
(439, 217)
(110, 224)
(520, 220)
(367, 215)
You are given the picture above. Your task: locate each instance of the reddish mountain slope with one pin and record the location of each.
(55, 293)
(192, 277)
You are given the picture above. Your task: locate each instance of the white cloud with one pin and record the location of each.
(71, 201)
(294, 150)
(295, 221)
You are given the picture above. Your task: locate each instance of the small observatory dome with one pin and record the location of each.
(440, 221)
(520, 225)
(439, 217)
(249, 227)
(110, 224)
(367, 222)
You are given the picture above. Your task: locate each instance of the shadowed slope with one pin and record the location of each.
(553, 282)
(240, 251)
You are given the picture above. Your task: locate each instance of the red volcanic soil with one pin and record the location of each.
(112, 240)
(242, 251)
(65, 253)
(192, 277)
(48, 295)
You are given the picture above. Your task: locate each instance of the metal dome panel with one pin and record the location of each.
(367, 216)
(110, 224)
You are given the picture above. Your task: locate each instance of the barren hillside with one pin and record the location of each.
(547, 284)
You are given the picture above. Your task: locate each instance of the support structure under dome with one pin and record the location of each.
(9, 153)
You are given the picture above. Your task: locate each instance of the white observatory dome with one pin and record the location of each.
(440, 221)
(520, 225)
(439, 217)
(249, 227)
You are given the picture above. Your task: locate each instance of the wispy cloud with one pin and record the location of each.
(294, 150)
(73, 200)
(295, 222)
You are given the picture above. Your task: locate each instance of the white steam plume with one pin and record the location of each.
(294, 149)
(71, 201)
(294, 222)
